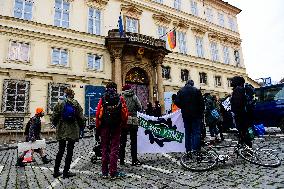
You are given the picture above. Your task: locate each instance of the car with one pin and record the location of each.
(269, 108)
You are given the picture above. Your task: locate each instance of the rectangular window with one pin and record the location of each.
(182, 42)
(61, 16)
(214, 51)
(199, 47)
(237, 57)
(218, 82)
(221, 19)
(15, 96)
(159, 1)
(232, 24)
(14, 123)
(194, 9)
(94, 26)
(229, 81)
(184, 75)
(55, 93)
(177, 4)
(131, 25)
(209, 15)
(203, 78)
(166, 72)
(95, 62)
(19, 51)
(23, 9)
(60, 57)
(162, 34)
(226, 55)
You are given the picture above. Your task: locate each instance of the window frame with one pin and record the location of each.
(61, 14)
(237, 58)
(6, 94)
(209, 14)
(131, 21)
(221, 19)
(94, 21)
(165, 74)
(94, 59)
(194, 7)
(23, 9)
(214, 51)
(19, 52)
(50, 104)
(226, 54)
(183, 77)
(229, 82)
(218, 83)
(177, 4)
(199, 46)
(232, 24)
(182, 44)
(60, 52)
(205, 78)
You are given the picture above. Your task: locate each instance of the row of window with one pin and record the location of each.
(209, 12)
(23, 9)
(20, 51)
(16, 95)
(184, 76)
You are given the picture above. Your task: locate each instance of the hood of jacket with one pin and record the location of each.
(128, 93)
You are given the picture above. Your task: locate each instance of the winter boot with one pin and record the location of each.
(45, 160)
(20, 162)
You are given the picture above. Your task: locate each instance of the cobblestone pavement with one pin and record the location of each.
(158, 171)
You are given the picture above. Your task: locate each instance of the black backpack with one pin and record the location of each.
(27, 128)
(250, 100)
(112, 107)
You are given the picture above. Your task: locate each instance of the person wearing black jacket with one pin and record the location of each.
(238, 105)
(189, 100)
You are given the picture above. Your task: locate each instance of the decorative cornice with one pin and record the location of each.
(161, 19)
(181, 24)
(99, 4)
(131, 11)
(198, 30)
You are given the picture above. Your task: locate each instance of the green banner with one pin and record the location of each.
(161, 130)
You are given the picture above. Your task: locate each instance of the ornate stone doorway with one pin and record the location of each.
(139, 81)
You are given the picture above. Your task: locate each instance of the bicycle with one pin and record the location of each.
(207, 158)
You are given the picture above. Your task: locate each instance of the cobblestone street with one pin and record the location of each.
(158, 171)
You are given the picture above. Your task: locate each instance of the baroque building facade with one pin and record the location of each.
(48, 45)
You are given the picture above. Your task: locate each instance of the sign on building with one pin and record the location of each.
(92, 97)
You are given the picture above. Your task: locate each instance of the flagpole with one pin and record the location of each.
(167, 32)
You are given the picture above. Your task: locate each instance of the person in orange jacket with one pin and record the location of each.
(174, 107)
(111, 116)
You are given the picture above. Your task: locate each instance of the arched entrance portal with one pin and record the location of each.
(138, 79)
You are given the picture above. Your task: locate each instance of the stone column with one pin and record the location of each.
(160, 86)
(116, 54)
(157, 61)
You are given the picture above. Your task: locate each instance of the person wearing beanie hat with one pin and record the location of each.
(32, 133)
(134, 106)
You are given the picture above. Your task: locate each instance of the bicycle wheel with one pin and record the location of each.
(198, 161)
(259, 157)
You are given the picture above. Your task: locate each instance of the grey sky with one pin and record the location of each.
(261, 25)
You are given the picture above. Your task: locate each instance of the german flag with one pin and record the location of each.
(172, 39)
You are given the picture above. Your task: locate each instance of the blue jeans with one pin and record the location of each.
(192, 133)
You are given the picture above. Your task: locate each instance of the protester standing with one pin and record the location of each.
(174, 107)
(189, 100)
(111, 116)
(243, 118)
(32, 133)
(149, 109)
(133, 106)
(68, 118)
(157, 111)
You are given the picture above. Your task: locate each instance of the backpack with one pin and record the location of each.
(27, 128)
(249, 96)
(112, 108)
(69, 112)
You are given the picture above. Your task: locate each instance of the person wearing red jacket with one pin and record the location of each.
(111, 116)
